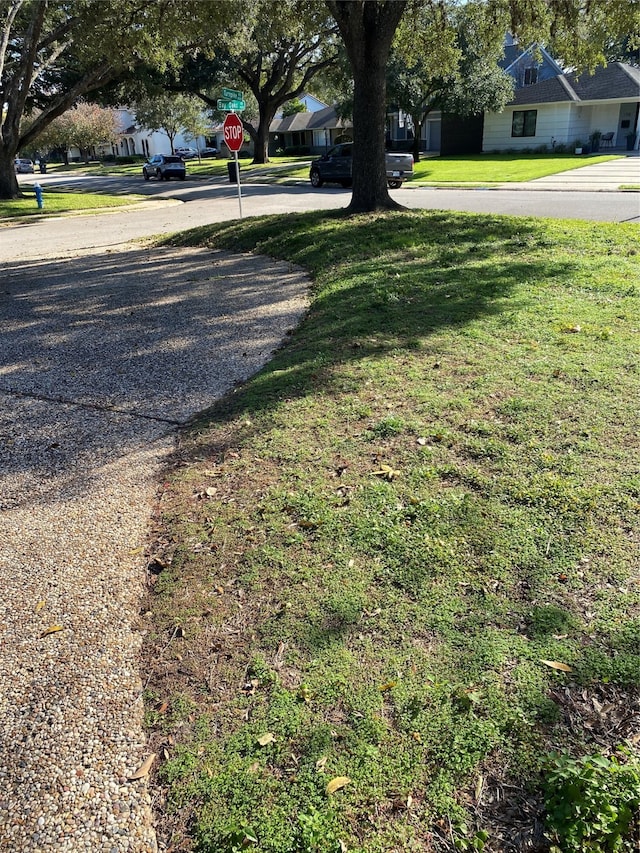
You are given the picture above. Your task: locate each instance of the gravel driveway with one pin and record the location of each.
(101, 357)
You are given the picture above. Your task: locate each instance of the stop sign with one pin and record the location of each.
(233, 132)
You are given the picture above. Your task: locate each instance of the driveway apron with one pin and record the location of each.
(102, 356)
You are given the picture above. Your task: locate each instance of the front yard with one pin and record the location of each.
(393, 586)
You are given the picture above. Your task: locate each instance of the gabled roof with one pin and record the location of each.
(614, 81)
(513, 53)
(326, 118)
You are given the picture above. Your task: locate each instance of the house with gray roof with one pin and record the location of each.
(564, 108)
(316, 131)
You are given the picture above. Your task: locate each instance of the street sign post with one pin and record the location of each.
(233, 131)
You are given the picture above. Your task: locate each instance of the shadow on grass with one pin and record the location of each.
(382, 283)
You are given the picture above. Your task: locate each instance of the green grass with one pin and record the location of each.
(487, 169)
(57, 201)
(499, 168)
(374, 545)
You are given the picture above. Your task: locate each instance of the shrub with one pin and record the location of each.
(590, 803)
(127, 159)
(297, 149)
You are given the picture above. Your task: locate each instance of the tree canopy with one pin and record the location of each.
(169, 113)
(84, 126)
(580, 31)
(53, 53)
(273, 55)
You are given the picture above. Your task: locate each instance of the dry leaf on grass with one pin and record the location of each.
(266, 739)
(554, 664)
(387, 472)
(144, 768)
(337, 783)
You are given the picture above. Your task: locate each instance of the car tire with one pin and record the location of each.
(182, 177)
(316, 179)
(394, 185)
(346, 183)
(145, 175)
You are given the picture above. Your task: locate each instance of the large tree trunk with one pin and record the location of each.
(267, 110)
(367, 28)
(8, 182)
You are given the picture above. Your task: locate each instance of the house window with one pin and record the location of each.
(523, 123)
(530, 76)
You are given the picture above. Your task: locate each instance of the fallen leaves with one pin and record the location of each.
(337, 783)
(555, 664)
(266, 739)
(52, 629)
(387, 472)
(144, 768)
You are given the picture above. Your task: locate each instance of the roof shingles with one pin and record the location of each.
(614, 81)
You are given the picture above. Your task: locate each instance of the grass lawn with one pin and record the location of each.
(498, 168)
(398, 568)
(57, 201)
(487, 169)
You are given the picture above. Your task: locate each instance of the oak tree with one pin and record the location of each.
(54, 52)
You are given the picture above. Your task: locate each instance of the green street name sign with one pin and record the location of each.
(231, 105)
(231, 95)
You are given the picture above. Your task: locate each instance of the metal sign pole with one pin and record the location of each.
(235, 153)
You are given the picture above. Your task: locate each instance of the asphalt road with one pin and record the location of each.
(192, 203)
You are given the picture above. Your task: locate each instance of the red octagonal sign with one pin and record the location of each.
(233, 132)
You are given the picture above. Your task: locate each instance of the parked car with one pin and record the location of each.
(335, 167)
(164, 167)
(23, 166)
(209, 151)
(186, 153)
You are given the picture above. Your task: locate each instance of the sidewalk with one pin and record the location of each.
(103, 356)
(609, 176)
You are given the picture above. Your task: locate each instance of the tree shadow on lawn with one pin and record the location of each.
(399, 280)
(385, 285)
(103, 354)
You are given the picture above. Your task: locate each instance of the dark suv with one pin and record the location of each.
(164, 167)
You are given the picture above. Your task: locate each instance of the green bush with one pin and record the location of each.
(294, 150)
(590, 803)
(128, 159)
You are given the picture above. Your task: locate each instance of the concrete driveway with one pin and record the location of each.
(609, 176)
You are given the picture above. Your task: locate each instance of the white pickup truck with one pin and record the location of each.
(335, 167)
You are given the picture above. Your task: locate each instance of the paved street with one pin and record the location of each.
(193, 203)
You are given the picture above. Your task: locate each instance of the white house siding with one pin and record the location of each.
(552, 123)
(580, 124)
(606, 116)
